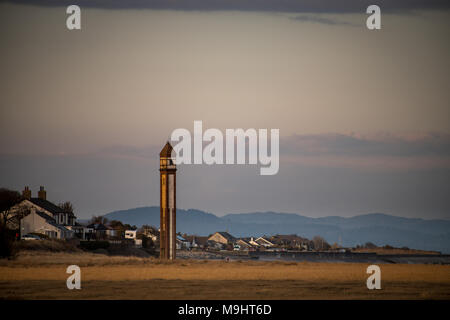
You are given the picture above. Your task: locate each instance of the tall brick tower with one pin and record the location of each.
(167, 180)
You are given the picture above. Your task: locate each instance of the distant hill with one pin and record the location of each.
(377, 228)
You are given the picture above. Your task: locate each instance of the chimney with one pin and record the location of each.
(42, 194)
(26, 193)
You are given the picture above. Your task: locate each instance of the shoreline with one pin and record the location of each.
(326, 257)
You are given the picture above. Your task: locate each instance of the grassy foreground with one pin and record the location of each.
(37, 275)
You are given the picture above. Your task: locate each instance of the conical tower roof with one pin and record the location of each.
(166, 152)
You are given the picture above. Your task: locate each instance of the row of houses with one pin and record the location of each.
(53, 221)
(225, 241)
(47, 218)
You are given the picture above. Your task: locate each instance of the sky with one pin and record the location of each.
(363, 115)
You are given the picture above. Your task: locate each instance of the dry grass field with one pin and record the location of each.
(37, 275)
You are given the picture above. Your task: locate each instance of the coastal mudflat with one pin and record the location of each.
(36, 275)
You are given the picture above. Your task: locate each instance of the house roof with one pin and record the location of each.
(49, 206)
(198, 240)
(287, 238)
(244, 242)
(44, 215)
(227, 236)
(263, 240)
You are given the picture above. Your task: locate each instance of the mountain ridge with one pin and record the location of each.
(378, 228)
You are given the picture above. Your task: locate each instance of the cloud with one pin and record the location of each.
(429, 144)
(323, 20)
(291, 6)
(130, 152)
(377, 151)
(382, 151)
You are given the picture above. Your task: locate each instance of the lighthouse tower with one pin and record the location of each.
(167, 169)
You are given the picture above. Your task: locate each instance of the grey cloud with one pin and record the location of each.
(431, 144)
(291, 6)
(323, 20)
(331, 144)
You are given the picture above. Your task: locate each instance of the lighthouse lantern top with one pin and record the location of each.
(166, 161)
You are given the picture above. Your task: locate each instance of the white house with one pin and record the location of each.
(41, 204)
(45, 217)
(182, 243)
(130, 234)
(40, 222)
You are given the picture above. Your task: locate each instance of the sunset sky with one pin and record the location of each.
(363, 115)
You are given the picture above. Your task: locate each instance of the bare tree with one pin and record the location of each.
(99, 219)
(18, 214)
(320, 243)
(8, 199)
(67, 206)
(335, 246)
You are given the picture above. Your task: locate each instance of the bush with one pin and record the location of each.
(53, 245)
(94, 245)
(7, 248)
(147, 243)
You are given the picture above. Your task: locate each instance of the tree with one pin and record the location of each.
(98, 219)
(370, 245)
(120, 227)
(9, 217)
(66, 206)
(129, 227)
(8, 199)
(335, 246)
(320, 243)
(147, 243)
(116, 224)
(148, 230)
(7, 248)
(20, 212)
